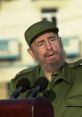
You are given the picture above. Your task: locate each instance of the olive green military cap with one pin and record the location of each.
(37, 29)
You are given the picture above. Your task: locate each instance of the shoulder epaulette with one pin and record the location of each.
(76, 63)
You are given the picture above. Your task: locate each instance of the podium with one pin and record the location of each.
(35, 107)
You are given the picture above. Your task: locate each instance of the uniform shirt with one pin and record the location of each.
(64, 90)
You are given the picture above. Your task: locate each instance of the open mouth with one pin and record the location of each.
(50, 55)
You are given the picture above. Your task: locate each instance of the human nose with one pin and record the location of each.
(48, 46)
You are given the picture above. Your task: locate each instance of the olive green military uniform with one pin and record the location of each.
(64, 91)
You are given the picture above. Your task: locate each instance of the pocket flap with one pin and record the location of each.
(74, 101)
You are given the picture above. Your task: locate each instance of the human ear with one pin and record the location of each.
(31, 53)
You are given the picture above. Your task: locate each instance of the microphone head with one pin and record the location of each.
(24, 83)
(42, 82)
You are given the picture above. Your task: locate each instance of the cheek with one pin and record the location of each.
(38, 54)
(58, 46)
(41, 51)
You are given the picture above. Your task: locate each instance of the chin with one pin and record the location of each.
(55, 62)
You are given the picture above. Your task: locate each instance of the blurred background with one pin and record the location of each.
(17, 15)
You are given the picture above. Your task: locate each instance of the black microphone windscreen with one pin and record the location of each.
(24, 83)
(42, 82)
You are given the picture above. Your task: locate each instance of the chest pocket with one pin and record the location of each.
(73, 106)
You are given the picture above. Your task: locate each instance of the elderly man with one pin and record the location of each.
(64, 88)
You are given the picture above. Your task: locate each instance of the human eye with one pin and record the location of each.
(40, 44)
(52, 39)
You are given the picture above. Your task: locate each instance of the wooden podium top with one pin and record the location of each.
(35, 107)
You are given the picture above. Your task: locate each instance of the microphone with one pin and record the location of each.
(39, 85)
(22, 85)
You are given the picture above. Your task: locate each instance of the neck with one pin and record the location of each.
(49, 70)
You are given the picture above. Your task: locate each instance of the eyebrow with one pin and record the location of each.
(53, 36)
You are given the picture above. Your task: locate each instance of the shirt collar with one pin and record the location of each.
(40, 72)
(65, 73)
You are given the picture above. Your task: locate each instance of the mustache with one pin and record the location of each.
(52, 52)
